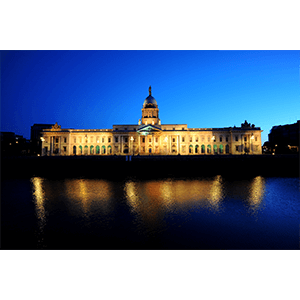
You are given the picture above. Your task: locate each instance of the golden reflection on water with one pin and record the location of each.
(148, 198)
(256, 192)
(88, 192)
(39, 201)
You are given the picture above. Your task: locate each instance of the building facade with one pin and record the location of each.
(150, 137)
(283, 139)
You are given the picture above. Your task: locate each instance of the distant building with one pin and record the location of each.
(149, 136)
(14, 145)
(35, 137)
(284, 138)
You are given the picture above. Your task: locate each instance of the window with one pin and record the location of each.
(221, 149)
(208, 148)
(236, 148)
(74, 140)
(65, 149)
(109, 140)
(125, 128)
(173, 128)
(173, 140)
(202, 149)
(256, 139)
(196, 139)
(65, 140)
(208, 139)
(227, 149)
(97, 149)
(221, 138)
(116, 139)
(125, 139)
(116, 129)
(102, 140)
(143, 140)
(226, 138)
(236, 138)
(215, 149)
(182, 139)
(191, 139)
(182, 128)
(156, 140)
(56, 140)
(150, 140)
(245, 139)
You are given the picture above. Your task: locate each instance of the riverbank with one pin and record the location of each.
(118, 167)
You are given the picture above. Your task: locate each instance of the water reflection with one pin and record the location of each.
(39, 200)
(89, 194)
(149, 198)
(256, 192)
(152, 204)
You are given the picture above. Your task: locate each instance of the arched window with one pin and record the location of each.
(80, 147)
(215, 149)
(109, 151)
(227, 149)
(191, 149)
(103, 150)
(98, 149)
(74, 150)
(202, 149)
(208, 148)
(196, 148)
(125, 151)
(92, 149)
(86, 150)
(221, 149)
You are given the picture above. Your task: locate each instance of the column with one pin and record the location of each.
(146, 144)
(53, 137)
(121, 144)
(139, 143)
(59, 150)
(178, 144)
(159, 144)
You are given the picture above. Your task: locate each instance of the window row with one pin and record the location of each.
(208, 149)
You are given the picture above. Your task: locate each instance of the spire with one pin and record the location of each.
(150, 90)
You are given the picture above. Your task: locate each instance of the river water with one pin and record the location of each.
(202, 213)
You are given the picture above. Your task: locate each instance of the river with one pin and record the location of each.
(202, 213)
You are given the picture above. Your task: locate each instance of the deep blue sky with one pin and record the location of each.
(96, 89)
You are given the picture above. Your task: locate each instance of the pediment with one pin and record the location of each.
(148, 129)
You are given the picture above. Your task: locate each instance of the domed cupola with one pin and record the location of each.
(150, 111)
(150, 102)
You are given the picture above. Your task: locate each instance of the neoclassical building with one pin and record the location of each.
(149, 136)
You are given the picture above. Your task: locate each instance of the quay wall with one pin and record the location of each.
(118, 167)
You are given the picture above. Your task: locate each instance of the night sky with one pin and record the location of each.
(96, 89)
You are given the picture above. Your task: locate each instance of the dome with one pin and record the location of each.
(150, 101)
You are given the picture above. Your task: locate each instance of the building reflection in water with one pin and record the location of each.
(256, 193)
(88, 194)
(152, 199)
(39, 201)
